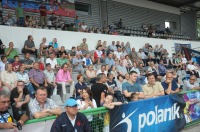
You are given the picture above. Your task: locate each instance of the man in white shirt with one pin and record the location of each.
(118, 53)
(3, 63)
(192, 84)
(192, 70)
(102, 70)
(112, 46)
(83, 26)
(52, 60)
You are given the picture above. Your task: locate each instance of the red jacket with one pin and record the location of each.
(96, 56)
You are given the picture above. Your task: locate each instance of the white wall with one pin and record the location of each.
(151, 5)
(68, 39)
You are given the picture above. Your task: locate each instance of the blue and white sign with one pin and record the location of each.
(163, 114)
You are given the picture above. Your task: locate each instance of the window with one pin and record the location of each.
(167, 24)
(83, 8)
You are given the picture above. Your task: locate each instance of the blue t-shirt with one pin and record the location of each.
(136, 87)
(55, 45)
(174, 85)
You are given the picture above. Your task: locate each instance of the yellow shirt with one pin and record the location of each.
(150, 90)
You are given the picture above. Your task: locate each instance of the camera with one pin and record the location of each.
(19, 126)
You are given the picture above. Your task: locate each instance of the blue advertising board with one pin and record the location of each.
(162, 114)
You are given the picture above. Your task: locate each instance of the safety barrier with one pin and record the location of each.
(96, 117)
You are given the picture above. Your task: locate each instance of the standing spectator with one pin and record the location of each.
(51, 80)
(8, 78)
(79, 86)
(19, 11)
(3, 63)
(84, 44)
(28, 63)
(43, 15)
(77, 63)
(10, 52)
(54, 21)
(42, 106)
(132, 87)
(7, 121)
(64, 78)
(37, 77)
(71, 116)
(153, 88)
(169, 85)
(192, 84)
(29, 46)
(77, 22)
(23, 76)
(99, 89)
(20, 97)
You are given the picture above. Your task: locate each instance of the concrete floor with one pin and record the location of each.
(195, 128)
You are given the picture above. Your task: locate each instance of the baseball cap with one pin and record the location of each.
(70, 102)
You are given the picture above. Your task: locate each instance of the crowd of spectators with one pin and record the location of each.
(117, 69)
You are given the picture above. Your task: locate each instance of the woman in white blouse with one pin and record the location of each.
(87, 102)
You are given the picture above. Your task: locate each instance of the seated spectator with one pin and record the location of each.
(161, 68)
(98, 55)
(42, 106)
(169, 85)
(80, 86)
(10, 21)
(51, 80)
(99, 89)
(86, 60)
(28, 63)
(132, 87)
(134, 97)
(192, 83)
(8, 78)
(63, 77)
(113, 71)
(62, 49)
(77, 63)
(23, 76)
(61, 22)
(152, 68)
(50, 50)
(16, 64)
(53, 22)
(112, 47)
(73, 52)
(141, 77)
(62, 59)
(120, 81)
(84, 50)
(109, 60)
(118, 53)
(128, 63)
(27, 20)
(127, 77)
(37, 77)
(71, 114)
(9, 120)
(10, 52)
(78, 51)
(2, 47)
(54, 43)
(133, 55)
(152, 88)
(20, 97)
(3, 63)
(83, 27)
(1, 18)
(53, 61)
(29, 46)
(192, 70)
(121, 70)
(102, 70)
(91, 74)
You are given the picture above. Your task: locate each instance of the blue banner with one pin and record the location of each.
(162, 114)
(191, 54)
(178, 47)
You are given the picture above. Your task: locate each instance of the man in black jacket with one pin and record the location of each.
(71, 120)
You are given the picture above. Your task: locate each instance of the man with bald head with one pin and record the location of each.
(37, 77)
(170, 86)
